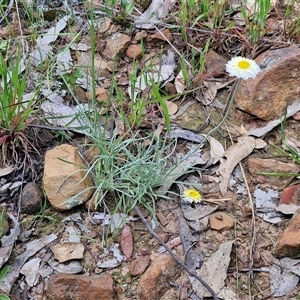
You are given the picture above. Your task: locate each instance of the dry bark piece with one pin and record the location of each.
(127, 241)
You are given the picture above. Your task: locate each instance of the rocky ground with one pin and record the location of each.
(242, 239)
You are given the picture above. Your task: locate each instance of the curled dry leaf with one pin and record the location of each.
(210, 92)
(234, 154)
(157, 10)
(216, 149)
(171, 244)
(213, 271)
(172, 107)
(291, 110)
(6, 171)
(127, 241)
(161, 73)
(179, 83)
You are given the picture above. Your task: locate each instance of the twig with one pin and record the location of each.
(182, 265)
(253, 227)
(49, 127)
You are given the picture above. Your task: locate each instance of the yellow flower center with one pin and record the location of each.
(193, 194)
(244, 64)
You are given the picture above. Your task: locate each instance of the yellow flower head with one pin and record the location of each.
(242, 67)
(192, 196)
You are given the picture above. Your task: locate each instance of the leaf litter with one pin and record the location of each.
(193, 160)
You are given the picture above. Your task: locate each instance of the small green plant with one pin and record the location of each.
(3, 273)
(291, 20)
(14, 111)
(125, 10)
(255, 22)
(131, 171)
(2, 215)
(70, 78)
(133, 112)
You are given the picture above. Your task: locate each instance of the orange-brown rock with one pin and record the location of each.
(134, 51)
(139, 265)
(140, 35)
(266, 96)
(76, 287)
(214, 63)
(115, 44)
(258, 165)
(290, 195)
(221, 221)
(65, 179)
(289, 242)
(154, 282)
(160, 37)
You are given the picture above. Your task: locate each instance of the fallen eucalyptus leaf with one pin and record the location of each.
(6, 171)
(291, 110)
(157, 10)
(216, 149)
(213, 271)
(31, 271)
(234, 155)
(282, 276)
(31, 249)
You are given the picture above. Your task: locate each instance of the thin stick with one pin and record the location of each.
(182, 265)
(253, 228)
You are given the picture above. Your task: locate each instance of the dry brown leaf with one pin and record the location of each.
(127, 241)
(210, 93)
(6, 171)
(234, 154)
(172, 107)
(213, 271)
(216, 149)
(67, 251)
(291, 110)
(179, 83)
(154, 14)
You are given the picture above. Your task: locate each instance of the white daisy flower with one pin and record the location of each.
(192, 196)
(242, 67)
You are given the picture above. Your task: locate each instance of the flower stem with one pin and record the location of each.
(231, 101)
